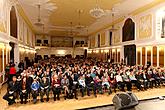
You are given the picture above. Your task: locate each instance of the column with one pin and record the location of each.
(136, 55)
(16, 54)
(7, 54)
(117, 56)
(146, 55)
(122, 53)
(3, 60)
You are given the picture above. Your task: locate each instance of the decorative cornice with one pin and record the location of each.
(133, 13)
(24, 16)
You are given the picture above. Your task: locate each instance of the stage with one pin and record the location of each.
(102, 102)
(149, 104)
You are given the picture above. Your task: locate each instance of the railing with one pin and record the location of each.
(81, 45)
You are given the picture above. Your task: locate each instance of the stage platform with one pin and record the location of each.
(99, 103)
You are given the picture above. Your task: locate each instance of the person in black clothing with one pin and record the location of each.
(12, 91)
(90, 85)
(21, 66)
(73, 84)
(145, 79)
(45, 88)
(24, 89)
(56, 87)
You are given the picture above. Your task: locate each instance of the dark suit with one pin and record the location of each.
(145, 79)
(45, 88)
(24, 90)
(12, 91)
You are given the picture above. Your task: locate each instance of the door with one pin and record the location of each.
(130, 54)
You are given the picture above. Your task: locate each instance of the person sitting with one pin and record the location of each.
(119, 81)
(82, 84)
(56, 87)
(156, 76)
(35, 86)
(105, 83)
(65, 85)
(24, 89)
(127, 81)
(12, 91)
(162, 76)
(98, 84)
(90, 85)
(44, 88)
(145, 79)
(112, 81)
(134, 80)
(73, 86)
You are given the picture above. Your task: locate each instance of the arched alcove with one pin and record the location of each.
(13, 22)
(128, 30)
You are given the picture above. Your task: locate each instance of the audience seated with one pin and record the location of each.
(67, 76)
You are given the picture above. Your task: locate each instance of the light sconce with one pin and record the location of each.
(148, 48)
(161, 48)
(102, 51)
(113, 50)
(118, 50)
(97, 51)
(61, 52)
(2, 46)
(106, 51)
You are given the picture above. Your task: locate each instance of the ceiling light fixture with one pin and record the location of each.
(97, 12)
(79, 26)
(39, 23)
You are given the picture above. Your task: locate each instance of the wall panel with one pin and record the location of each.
(161, 56)
(154, 56)
(143, 55)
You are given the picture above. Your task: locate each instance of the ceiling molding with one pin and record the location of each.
(25, 18)
(133, 13)
(108, 26)
(146, 7)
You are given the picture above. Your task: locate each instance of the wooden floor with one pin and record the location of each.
(72, 104)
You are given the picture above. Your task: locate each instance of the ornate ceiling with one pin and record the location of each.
(57, 15)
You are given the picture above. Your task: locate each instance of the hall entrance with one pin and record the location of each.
(130, 54)
(12, 45)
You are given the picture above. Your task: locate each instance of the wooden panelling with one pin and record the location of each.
(103, 38)
(154, 56)
(118, 56)
(149, 55)
(161, 56)
(143, 56)
(1, 63)
(115, 55)
(138, 57)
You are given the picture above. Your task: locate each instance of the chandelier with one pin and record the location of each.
(97, 12)
(79, 26)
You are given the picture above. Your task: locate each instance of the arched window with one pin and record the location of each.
(13, 22)
(128, 30)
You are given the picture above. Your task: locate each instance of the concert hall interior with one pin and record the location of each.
(82, 54)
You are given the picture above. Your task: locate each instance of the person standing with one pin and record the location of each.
(12, 72)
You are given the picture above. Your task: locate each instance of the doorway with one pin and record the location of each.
(12, 45)
(130, 54)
